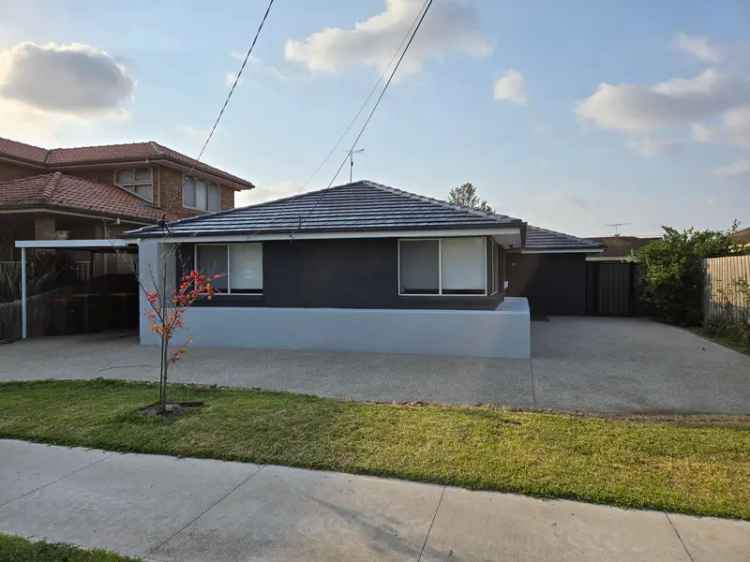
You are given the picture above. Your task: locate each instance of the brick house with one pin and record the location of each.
(101, 191)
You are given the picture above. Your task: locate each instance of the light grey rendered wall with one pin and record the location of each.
(504, 332)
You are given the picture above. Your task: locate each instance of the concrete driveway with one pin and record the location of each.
(584, 364)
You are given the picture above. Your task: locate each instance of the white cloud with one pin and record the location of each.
(48, 90)
(648, 147)
(511, 86)
(735, 169)
(700, 47)
(255, 65)
(451, 26)
(75, 79)
(702, 133)
(634, 108)
(711, 107)
(267, 192)
(736, 124)
(229, 78)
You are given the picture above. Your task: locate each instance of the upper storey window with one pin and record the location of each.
(200, 194)
(139, 181)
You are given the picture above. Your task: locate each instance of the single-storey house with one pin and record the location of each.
(550, 270)
(356, 267)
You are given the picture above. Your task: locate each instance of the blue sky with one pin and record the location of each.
(666, 140)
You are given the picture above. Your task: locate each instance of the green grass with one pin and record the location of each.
(690, 465)
(21, 550)
(725, 340)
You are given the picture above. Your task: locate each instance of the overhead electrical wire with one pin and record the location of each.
(428, 3)
(236, 81)
(362, 107)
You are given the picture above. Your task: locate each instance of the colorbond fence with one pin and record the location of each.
(722, 293)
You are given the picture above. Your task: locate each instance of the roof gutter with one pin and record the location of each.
(209, 236)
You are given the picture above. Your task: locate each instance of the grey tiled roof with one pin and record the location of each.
(543, 239)
(360, 206)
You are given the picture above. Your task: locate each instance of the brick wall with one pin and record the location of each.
(167, 183)
(227, 198)
(10, 171)
(171, 191)
(98, 175)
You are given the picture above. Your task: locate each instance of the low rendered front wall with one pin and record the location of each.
(504, 332)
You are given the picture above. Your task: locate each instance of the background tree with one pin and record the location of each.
(466, 196)
(672, 271)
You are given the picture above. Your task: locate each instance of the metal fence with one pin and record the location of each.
(723, 293)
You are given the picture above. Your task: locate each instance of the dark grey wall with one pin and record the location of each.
(347, 273)
(553, 283)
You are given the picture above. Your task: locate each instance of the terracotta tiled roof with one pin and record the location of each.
(22, 151)
(58, 190)
(112, 153)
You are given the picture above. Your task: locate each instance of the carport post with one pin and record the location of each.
(24, 321)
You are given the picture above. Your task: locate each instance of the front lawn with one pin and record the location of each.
(21, 550)
(691, 465)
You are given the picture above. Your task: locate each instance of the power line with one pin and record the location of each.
(236, 80)
(363, 106)
(428, 3)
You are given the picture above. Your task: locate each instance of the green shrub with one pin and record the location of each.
(672, 270)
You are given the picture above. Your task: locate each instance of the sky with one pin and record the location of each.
(570, 115)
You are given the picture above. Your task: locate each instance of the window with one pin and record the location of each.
(420, 267)
(495, 265)
(498, 272)
(200, 194)
(239, 265)
(138, 181)
(443, 266)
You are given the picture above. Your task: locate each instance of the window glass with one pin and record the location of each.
(214, 198)
(200, 194)
(246, 267)
(188, 192)
(212, 260)
(419, 267)
(142, 175)
(124, 177)
(145, 191)
(463, 265)
(136, 180)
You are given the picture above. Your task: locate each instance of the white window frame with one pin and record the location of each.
(494, 264)
(136, 183)
(440, 292)
(209, 185)
(196, 267)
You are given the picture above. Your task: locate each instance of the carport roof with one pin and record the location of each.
(542, 240)
(362, 206)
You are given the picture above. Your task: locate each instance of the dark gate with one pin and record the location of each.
(611, 288)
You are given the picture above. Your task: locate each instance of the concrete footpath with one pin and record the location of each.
(164, 508)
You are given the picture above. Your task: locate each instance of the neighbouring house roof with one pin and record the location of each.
(354, 207)
(543, 240)
(742, 236)
(20, 151)
(139, 152)
(622, 246)
(56, 190)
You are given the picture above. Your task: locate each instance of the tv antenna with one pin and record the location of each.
(351, 153)
(617, 226)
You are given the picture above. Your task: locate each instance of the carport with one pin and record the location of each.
(111, 278)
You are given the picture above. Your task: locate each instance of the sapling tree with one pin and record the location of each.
(167, 315)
